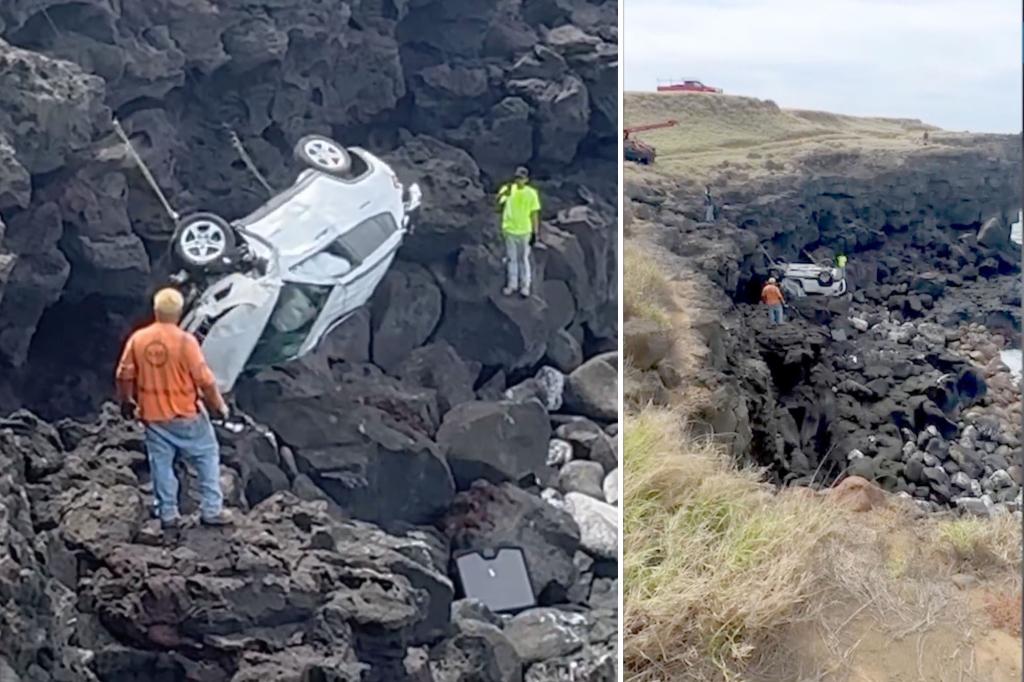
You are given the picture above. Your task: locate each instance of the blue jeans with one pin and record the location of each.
(775, 313)
(518, 272)
(196, 440)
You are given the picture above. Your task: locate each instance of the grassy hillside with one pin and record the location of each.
(751, 133)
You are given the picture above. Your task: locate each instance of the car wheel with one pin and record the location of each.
(323, 154)
(202, 239)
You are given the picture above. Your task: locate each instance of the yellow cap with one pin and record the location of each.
(168, 304)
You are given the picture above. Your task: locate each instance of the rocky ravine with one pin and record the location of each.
(900, 382)
(442, 417)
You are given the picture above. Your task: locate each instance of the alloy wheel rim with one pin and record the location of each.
(203, 241)
(325, 154)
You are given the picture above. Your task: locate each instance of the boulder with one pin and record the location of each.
(442, 170)
(589, 441)
(495, 441)
(858, 494)
(517, 329)
(592, 389)
(546, 387)
(598, 523)
(406, 308)
(357, 453)
(488, 516)
(646, 343)
(498, 140)
(562, 113)
(564, 352)
(477, 651)
(611, 487)
(994, 233)
(559, 453)
(544, 633)
(582, 476)
(438, 366)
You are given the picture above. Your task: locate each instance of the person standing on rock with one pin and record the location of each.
(772, 297)
(841, 265)
(709, 205)
(520, 222)
(160, 379)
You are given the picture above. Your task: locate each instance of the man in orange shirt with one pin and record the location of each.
(160, 379)
(772, 296)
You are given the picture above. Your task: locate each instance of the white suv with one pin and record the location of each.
(807, 279)
(267, 288)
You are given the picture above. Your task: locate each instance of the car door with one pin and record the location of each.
(230, 320)
(370, 247)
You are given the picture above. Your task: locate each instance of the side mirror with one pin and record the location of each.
(415, 195)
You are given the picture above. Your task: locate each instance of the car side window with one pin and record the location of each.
(364, 239)
(297, 309)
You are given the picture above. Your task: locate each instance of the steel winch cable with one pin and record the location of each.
(145, 171)
(236, 142)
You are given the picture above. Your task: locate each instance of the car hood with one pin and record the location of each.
(235, 311)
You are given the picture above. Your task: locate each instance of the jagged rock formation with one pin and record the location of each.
(454, 97)
(358, 481)
(863, 385)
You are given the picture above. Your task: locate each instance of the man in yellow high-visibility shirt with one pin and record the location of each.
(520, 221)
(841, 265)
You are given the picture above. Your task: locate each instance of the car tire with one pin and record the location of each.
(323, 154)
(201, 240)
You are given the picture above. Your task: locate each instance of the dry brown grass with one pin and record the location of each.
(715, 564)
(646, 291)
(979, 545)
(1004, 610)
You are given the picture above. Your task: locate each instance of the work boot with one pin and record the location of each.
(171, 524)
(219, 521)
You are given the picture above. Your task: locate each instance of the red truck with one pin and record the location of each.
(686, 85)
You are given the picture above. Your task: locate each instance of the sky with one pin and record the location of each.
(951, 63)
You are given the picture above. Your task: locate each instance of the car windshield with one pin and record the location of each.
(297, 308)
(361, 241)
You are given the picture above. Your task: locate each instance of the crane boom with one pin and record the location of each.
(650, 126)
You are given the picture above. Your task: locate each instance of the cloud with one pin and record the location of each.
(954, 63)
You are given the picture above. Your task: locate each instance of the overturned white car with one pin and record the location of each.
(267, 288)
(807, 279)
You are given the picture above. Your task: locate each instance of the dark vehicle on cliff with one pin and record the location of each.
(638, 152)
(635, 150)
(268, 287)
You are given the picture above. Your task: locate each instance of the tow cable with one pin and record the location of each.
(236, 142)
(145, 171)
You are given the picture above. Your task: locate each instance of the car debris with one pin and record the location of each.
(496, 577)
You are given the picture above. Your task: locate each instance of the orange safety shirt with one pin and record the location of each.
(168, 370)
(771, 295)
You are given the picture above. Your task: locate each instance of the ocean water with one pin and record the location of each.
(1012, 357)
